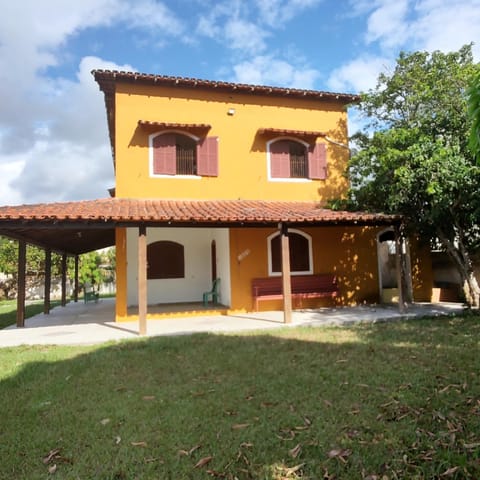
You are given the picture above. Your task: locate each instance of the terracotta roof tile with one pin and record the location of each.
(297, 133)
(107, 78)
(124, 210)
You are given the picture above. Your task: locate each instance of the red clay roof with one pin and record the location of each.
(160, 211)
(184, 126)
(106, 79)
(295, 133)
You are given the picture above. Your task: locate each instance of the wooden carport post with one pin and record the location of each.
(399, 263)
(75, 288)
(286, 284)
(142, 280)
(22, 263)
(64, 279)
(47, 281)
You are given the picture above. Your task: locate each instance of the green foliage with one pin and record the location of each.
(417, 161)
(94, 267)
(474, 113)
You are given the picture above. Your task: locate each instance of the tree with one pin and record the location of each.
(413, 156)
(474, 113)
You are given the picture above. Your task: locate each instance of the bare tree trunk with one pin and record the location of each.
(462, 261)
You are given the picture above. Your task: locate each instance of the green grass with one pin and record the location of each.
(8, 310)
(387, 401)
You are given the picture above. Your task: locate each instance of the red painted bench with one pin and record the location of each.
(302, 286)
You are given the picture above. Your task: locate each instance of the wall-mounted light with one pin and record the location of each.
(231, 111)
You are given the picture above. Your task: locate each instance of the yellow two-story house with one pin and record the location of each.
(225, 171)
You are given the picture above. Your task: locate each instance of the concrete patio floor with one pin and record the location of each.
(79, 323)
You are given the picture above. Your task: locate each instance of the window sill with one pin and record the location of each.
(290, 180)
(191, 177)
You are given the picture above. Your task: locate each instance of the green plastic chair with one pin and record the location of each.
(214, 293)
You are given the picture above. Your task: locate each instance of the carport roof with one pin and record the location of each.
(82, 226)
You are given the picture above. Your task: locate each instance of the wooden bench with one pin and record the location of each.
(303, 287)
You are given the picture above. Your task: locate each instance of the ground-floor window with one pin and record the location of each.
(300, 253)
(165, 259)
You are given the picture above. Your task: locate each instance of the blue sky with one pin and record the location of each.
(53, 137)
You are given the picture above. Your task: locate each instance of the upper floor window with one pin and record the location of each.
(174, 153)
(294, 159)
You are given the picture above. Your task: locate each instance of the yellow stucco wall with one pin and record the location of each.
(242, 150)
(422, 273)
(349, 252)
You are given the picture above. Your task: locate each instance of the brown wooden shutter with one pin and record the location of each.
(207, 157)
(280, 159)
(317, 161)
(164, 154)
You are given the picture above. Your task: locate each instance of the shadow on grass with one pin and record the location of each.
(399, 400)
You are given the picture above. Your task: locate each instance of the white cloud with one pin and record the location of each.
(68, 156)
(446, 26)
(267, 70)
(53, 131)
(359, 75)
(245, 36)
(228, 23)
(388, 24)
(276, 12)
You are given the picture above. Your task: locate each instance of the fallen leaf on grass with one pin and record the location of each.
(214, 473)
(52, 469)
(187, 453)
(449, 471)
(148, 397)
(105, 421)
(203, 461)
(246, 445)
(291, 470)
(295, 451)
(117, 440)
(340, 453)
(138, 444)
(470, 446)
(51, 454)
(239, 426)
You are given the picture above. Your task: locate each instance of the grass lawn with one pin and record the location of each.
(8, 310)
(379, 402)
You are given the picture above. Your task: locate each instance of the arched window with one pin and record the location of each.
(175, 153)
(165, 259)
(292, 159)
(300, 253)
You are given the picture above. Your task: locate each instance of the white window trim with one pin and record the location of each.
(271, 273)
(286, 179)
(150, 154)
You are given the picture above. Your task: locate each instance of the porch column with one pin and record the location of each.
(142, 280)
(286, 284)
(47, 281)
(64, 279)
(75, 288)
(22, 262)
(400, 270)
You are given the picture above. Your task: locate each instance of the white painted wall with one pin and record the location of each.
(197, 247)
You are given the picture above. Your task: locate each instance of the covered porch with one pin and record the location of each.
(73, 228)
